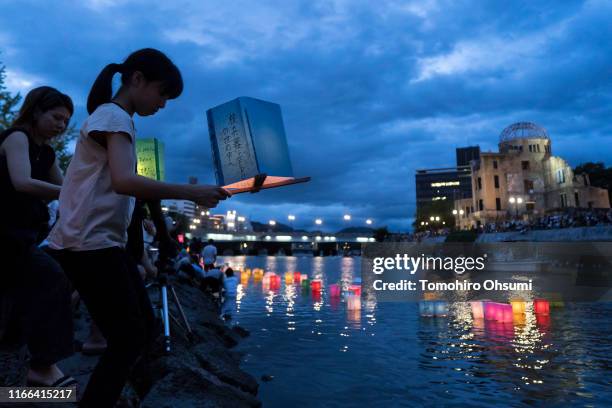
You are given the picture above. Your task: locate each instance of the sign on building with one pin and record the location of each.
(150, 153)
(248, 140)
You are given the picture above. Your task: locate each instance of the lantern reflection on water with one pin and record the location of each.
(356, 289)
(426, 308)
(334, 290)
(353, 302)
(440, 308)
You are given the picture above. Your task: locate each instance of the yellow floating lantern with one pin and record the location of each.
(518, 306)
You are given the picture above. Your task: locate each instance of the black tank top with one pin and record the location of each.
(20, 210)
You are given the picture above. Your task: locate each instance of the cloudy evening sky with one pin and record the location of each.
(370, 91)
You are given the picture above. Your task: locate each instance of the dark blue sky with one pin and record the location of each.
(370, 91)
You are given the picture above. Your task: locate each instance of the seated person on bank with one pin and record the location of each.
(212, 280)
(189, 267)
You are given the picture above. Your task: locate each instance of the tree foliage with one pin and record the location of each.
(8, 102)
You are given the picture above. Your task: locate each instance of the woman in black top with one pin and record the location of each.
(35, 294)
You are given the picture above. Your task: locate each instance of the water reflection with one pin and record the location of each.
(310, 340)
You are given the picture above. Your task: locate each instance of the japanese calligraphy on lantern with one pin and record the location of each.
(150, 155)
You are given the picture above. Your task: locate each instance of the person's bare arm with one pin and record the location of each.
(125, 181)
(55, 174)
(16, 149)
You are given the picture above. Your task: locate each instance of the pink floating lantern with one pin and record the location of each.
(334, 290)
(356, 289)
(541, 306)
(477, 309)
(490, 311)
(505, 314)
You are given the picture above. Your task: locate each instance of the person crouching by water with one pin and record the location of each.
(34, 289)
(230, 291)
(96, 204)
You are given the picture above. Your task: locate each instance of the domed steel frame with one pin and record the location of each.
(523, 130)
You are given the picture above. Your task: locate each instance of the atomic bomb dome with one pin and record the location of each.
(523, 130)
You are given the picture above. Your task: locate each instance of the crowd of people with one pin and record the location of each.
(569, 218)
(95, 250)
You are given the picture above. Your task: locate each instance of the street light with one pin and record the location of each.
(431, 218)
(369, 221)
(318, 221)
(437, 218)
(515, 201)
(291, 217)
(347, 217)
(272, 222)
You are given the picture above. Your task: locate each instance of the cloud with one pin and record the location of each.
(369, 93)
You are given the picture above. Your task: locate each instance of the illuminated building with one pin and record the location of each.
(523, 179)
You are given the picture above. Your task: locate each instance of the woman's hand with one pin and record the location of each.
(207, 196)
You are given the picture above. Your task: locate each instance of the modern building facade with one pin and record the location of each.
(523, 180)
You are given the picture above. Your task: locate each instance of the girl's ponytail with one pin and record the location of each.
(102, 89)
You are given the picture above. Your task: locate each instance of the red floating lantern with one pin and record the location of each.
(541, 306)
(315, 285)
(356, 289)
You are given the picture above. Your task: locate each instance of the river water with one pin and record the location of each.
(319, 354)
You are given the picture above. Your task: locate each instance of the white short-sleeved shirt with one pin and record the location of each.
(91, 215)
(231, 286)
(209, 253)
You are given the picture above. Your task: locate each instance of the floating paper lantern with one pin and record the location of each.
(353, 302)
(518, 306)
(440, 308)
(288, 278)
(305, 283)
(268, 277)
(491, 310)
(541, 306)
(426, 308)
(477, 309)
(505, 314)
(315, 285)
(334, 290)
(297, 278)
(356, 289)
(248, 140)
(430, 296)
(303, 277)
